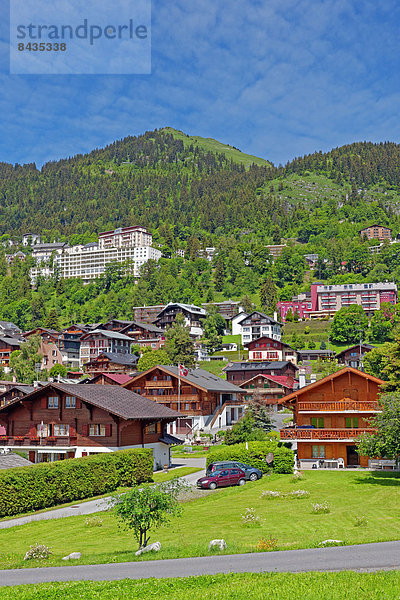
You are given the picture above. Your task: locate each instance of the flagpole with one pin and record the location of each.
(179, 391)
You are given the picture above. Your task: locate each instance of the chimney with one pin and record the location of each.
(14, 379)
(275, 316)
(313, 378)
(35, 385)
(302, 378)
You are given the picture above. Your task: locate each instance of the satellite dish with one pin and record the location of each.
(269, 458)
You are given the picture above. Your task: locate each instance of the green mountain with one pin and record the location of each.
(216, 147)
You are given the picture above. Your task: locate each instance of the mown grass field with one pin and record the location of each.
(280, 586)
(291, 522)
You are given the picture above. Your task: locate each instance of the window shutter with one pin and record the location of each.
(32, 431)
(348, 422)
(85, 429)
(43, 403)
(72, 432)
(314, 421)
(321, 422)
(355, 422)
(108, 430)
(78, 403)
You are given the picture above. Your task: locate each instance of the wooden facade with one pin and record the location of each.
(331, 413)
(199, 399)
(71, 420)
(239, 372)
(266, 348)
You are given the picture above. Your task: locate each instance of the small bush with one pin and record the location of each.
(271, 494)
(250, 518)
(254, 455)
(94, 521)
(322, 507)
(298, 476)
(296, 494)
(360, 521)
(38, 551)
(267, 544)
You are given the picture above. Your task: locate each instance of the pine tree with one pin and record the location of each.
(178, 343)
(268, 295)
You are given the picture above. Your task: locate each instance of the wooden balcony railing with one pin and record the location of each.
(322, 434)
(16, 441)
(174, 398)
(158, 384)
(340, 406)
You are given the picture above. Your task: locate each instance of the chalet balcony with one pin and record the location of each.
(158, 384)
(17, 441)
(322, 434)
(174, 398)
(340, 406)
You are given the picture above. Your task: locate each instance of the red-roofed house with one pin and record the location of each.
(272, 388)
(266, 348)
(111, 379)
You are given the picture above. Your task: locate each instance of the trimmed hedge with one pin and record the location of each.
(255, 455)
(48, 484)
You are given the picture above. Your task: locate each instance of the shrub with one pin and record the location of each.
(297, 494)
(250, 518)
(267, 544)
(298, 476)
(48, 484)
(323, 507)
(360, 521)
(38, 551)
(255, 455)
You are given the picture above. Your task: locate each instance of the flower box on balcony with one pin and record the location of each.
(34, 439)
(3, 438)
(18, 439)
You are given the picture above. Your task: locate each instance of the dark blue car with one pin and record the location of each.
(251, 473)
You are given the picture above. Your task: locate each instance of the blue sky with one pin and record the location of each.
(275, 78)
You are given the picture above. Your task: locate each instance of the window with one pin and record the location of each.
(97, 430)
(352, 422)
(52, 402)
(318, 451)
(151, 428)
(70, 402)
(61, 429)
(317, 422)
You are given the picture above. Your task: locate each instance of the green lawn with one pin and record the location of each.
(158, 477)
(282, 586)
(374, 496)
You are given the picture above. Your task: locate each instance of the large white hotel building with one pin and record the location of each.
(129, 245)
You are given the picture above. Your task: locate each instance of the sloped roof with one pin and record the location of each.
(316, 384)
(115, 335)
(192, 308)
(145, 326)
(355, 347)
(118, 358)
(267, 337)
(11, 460)
(264, 316)
(253, 366)
(114, 399)
(280, 379)
(119, 378)
(200, 378)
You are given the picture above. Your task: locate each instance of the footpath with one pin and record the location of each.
(94, 506)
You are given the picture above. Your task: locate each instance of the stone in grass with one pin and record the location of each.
(219, 544)
(156, 547)
(331, 542)
(72, 556)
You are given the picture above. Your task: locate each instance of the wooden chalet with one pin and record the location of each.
(330, 414)
(8, 345)
(352, 357)
(61, 421)
(111, 362)
(239, 372)
(206, 401)
(267, 348)
(111, 379)
(270, 387)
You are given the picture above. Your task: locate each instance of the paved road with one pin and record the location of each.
(94, 506)
(366, 557)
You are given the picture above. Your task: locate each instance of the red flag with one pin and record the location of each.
(183, 371)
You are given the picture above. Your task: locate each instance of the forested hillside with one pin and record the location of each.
(192, 193)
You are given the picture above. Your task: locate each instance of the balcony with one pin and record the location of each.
(158, 384)
(18, 441)
(341, 406)
(174, 398)
(322, 434)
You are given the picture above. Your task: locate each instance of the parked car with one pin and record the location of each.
(251, 473)
(224, 478)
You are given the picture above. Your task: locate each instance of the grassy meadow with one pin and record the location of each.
(363, 507)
